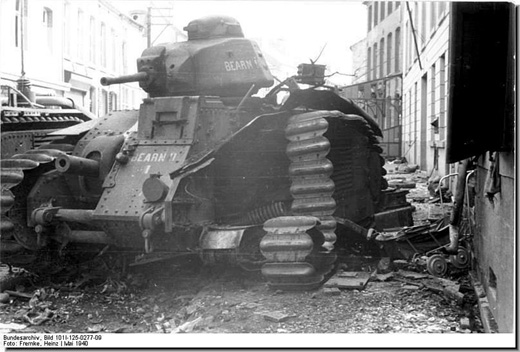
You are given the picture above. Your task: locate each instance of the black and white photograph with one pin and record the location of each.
(258, 174)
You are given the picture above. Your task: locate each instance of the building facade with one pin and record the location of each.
(425, 84)
(377, 71)
(359, 61)
(65, 47)
(458, 106)
(481, 132)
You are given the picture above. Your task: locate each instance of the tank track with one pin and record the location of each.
(27, 122)
(19, 244)
(299, 249)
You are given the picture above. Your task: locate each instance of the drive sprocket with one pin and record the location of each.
(19, 243)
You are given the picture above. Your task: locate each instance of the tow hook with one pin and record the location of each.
(44, 215)
(148, 245)
(148, 221)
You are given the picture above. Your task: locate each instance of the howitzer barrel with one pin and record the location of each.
(78, 166)
(136, 77)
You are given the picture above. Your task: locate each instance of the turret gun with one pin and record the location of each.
(136, 77)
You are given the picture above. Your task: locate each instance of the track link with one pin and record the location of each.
(299, 248)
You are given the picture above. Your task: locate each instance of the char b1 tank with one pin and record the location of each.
(27, 120)
(204, 166)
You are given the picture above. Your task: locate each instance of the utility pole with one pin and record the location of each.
(149, 27)
(158, 16)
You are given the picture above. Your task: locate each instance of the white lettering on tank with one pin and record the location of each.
(146, 169)
(153, 157)
(240, 65)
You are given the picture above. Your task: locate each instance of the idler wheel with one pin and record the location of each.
(436, 265)
(461, 259)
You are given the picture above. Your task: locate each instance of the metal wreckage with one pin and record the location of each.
(203, 167)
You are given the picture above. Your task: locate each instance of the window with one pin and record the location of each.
(369, 63)
(103, 49)
(423, 35)
(397, 49)
(390, 5)
(93, 100)
(17, 24)
(66, 28)
(389, 54)
(441, 8)
(124, 60)
(412, 47)
(112, 103)
(80, 44)
(124, 100)
(382, 11)
(20, 24)
(433, 102)
(407, 54)
(370, 17)
(382, 58)
(376, 12)
(433, 15)
(92, 40)
(442, 95)
(47, 26)
(113, 51)
(104, 104)
(397, 4)
(374, 52)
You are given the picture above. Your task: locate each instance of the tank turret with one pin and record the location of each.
(215, 60)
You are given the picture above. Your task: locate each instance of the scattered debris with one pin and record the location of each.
(96, 328)
(410, 287)
(412, 274)
(384, 277)
(357, 281)
(4, 297)
(189, 326)
(17, 294)
(407, 242)
(7, 328)
(331, 291)
(401, 184)
(384, 266)
(486, 316)
(401, 167)
(397, 217)
(400, 264)
(276, 316)
(34, 318)
(465, 323)
(454, 293)
(250, 305)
